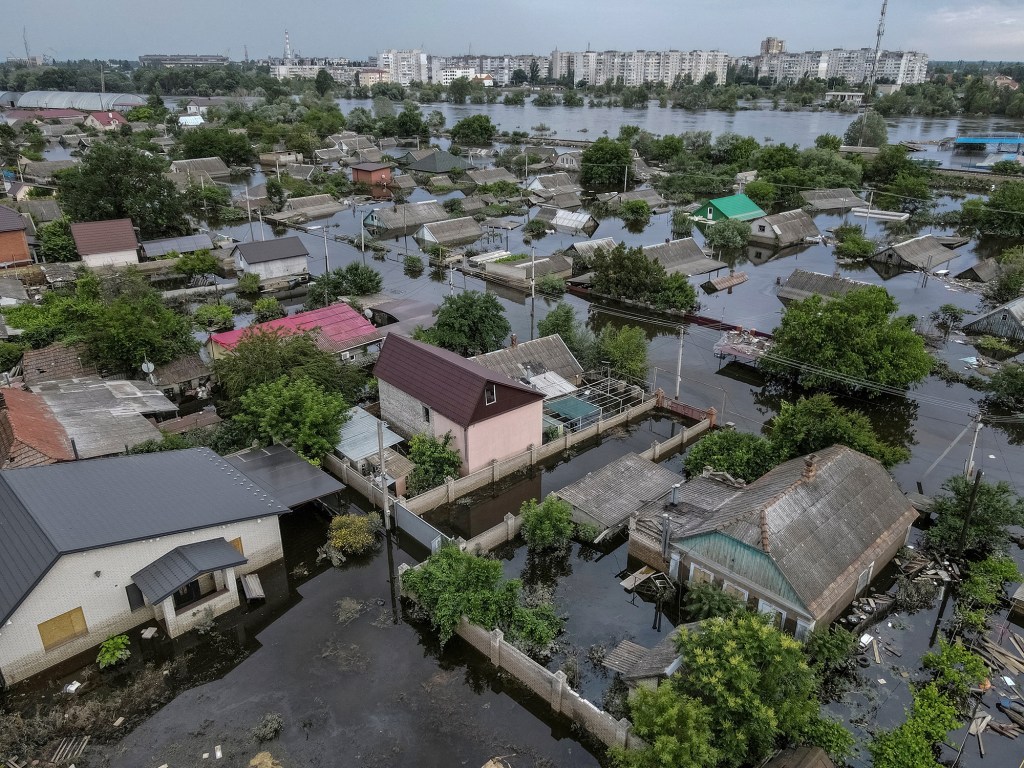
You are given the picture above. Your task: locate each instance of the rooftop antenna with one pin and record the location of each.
(874, 72)
(287, 47)
(245, 49)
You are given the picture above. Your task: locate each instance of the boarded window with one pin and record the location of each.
(135, 598)
(237, 544)
(803, 628)
(62, 629)
(737, 592)
(865, 578)
(700, 576)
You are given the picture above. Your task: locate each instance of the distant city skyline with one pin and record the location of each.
(68, 29)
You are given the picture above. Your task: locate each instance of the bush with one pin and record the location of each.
(113, 651)
(704, 601)
(434, 459)
(547, 525)
(214, 317)
(535, 228)
(268, 728)
(268, 308)
(413, 265)
(549, 285)
(249, 284)
(10, 354)
(354, 535)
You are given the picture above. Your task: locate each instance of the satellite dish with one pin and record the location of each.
(148, 367)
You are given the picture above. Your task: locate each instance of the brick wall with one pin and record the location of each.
(72, 582)
(402, 412)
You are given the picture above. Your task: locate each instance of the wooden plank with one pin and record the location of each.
(630, 582)
(874, 647)
(252, 587)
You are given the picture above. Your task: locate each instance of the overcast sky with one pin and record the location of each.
(68, 29)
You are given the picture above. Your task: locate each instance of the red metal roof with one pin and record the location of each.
(104, 236)
(336, 327)
(34, 424)
(108, 118)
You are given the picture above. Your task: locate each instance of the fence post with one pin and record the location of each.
(622, 729)
(712, 413)
(600, 423)
(497, 638)
(566, 433)
(533, 454)
(494, 471)
(510, 524)
(401, 570)
(450, 486)
(655, 450)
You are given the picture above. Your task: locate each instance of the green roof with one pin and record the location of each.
(738, 207)
(572, 408)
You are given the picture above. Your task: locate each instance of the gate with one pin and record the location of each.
(419, 529)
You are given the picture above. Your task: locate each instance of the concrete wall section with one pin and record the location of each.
(113, 259)
(96, 580)
(505, 435)
(277, 268)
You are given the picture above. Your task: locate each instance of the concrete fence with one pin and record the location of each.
(551, 687)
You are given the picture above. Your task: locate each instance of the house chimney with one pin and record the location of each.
(514, 341)
(810, 468)
(675, 494)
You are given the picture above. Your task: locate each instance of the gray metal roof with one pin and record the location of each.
(803, 284)
(358, 436)
(450, 232)
(982, 272)
(406, 217)
(87, 102)
(166, 575)
(1006, 320)
(567, 221)
(440, 162)
(49, 511)
(922, 252)
(832, 199)
(214, 166)
(283, 474)
(786, 228)
(261, 251)
(491, 175)
(187, 244)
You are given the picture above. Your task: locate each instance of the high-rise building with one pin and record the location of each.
(405, 66)
(637, 67)
(772, 45)
(853, 65)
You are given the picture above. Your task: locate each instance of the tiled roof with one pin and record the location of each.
(11, 220)
(34, 424)
(55, 362)
(336, 327)
(108, 118)
(449, 384)
(95, 237)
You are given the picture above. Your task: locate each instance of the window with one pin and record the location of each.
(711, 212)
(760, 227)
(346, 355)
(699, 575)
(426, 414)
(737, 592)
(490, 394)
(237, 544)
(777, 614)
(63, 629)
(803, 628)
(865, 578)
(135, 598)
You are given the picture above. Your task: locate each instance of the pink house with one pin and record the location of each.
(426, 389)
(105, 121)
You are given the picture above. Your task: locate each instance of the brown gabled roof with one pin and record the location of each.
(55, 362)
(94, 237)
(448, 383)
(11, 220)
(34, 424)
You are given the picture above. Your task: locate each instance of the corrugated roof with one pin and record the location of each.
(83, 505)
(12, 289)
(448, 383)
(262, 251)
(57, 361)
(440, 162)
(608, 496)
(649, 196)
(683, 257)
(41, 211)
(44, 170)
(335, 326)
(169, 573)
(451, 232)
(738, 207)
(33, 423)
(407, 217)
(11, 220)
(531, 358)
(802, 284)
(587, 248)
(358, 436)
(284, 474)
(982, 272)
(96, 237)
(87, 102)
(187, 244)
(182, 369)
(922, 252)
(211, 165)
(491, 175)
(1008, 315)
(567, 221)
(832, 199)
(560, 180)
(415, 154)
(787, 228)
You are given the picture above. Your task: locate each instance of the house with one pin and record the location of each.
(683, 257)
(415, 155)
(440, 162)
(368, 155)
(42, 211)
(606, 497)
(105, 121)
(282, 257)
(301, 172)
(582, 253)
(183, 375)
(403, 181)
(782, 230)
(54, 363)
(546, 364)
(982, 272)
(799, 543)
(564, 199)
(919, 253)
(734, 207)
(402, 316)
(45, 171)
(650, 196)
(94, 548)
(329, 155)
(646, 667)
(567, 221)
(279, 159)
(441, 183)
(491, 175)
(306, 208)
(570, 161)
(426, 389)
(190, 121)
(403, 219)
(522, 273)
(158, 249)
(13, 240)
(103, 417)
(284, 475)
(1006, 321)
(839, 199)
(371, 174)
(12, 292)
(352, 144)
(802, 284)
(30, 434)
(106, 243)
(214, 166)
(450, 232)
(337, 329)
(553, 181)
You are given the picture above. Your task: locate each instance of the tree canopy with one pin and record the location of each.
(743, 455)
(56, 241)
(232, 148)
(1001, 214)
(468, 323)
(476, 130)
(629, 274)
(434, 460)
(871, 127)
(852, 342)
(577, 337)
(625, 349)
(355, 279)
(606, 164)
(117, 181)
(996, 508)
(547, 525)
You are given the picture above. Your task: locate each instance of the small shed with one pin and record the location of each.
(358, 439)
(919, 253)
(106, 243)
(982, 272)
(802, 284)
(734, 207)
(837, 199)
(567, 221)
(1006, 321)
(451, 232)
(269, 259)
(782, 230)
(683, 257)
(373, 174)
(182, 375)
(491, 175)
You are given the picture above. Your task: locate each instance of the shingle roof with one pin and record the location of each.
(262, 251)
(530, 358)
(57, 361)
(83, 505)
(787, 228)
(440, 162)
(335, 326)
(446, 382)
(33, 423)
(41, 211)
(491, 175)
(11, 220)
(738, 207)
(211, 165)
(284, 474)
(407, 216)
(451, 232)
(358, 436)
(832, 199)
(96, 237)
(802, 284)
(169, 573)
(982, 272)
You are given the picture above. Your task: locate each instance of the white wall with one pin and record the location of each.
(72, 582)
(114, 259)
(278, 268)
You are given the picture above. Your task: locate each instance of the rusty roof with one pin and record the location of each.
(55, 362)
(34, 424)
(93, 237)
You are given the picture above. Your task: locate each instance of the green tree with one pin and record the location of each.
(266, 309)
(323, 83)
(635, 212)
(355, 279)
(741, 454)
(627, 273)
(728, 238)
(125, 332)
(871, 128)
(625, 349)
(468, 323)
(577, 337)
(56, 242)
(763, 193)
(956, 669)
(852, 243)
(294, 411)
(197, 264)
(1006, 387)
(547, 525)
(913, 742)
(828, 141)
(852, 342)
(1004, 287)
(459, 91)
(705, 601)
(948, 318)
(434, 460)
(117, 181)
(474, 131)
(606, 164)
(814, 423)
(213, 317)
(232, 148)
(997, 507)
(1002, 214)
(677, 729)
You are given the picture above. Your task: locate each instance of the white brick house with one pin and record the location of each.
(90, 549)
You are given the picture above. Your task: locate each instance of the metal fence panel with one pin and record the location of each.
(419, 529)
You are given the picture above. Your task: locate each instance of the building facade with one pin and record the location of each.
(853, 65)
(635, 68)
(406, 66)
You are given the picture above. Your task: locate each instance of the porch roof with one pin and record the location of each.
(166, 575)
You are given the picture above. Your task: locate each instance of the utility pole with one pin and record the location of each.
(962, 541)
(24, 37)
(969, 464)
(874, 72)
(679, 364)
(383, 474)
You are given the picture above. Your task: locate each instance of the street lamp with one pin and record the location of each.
(327, 255)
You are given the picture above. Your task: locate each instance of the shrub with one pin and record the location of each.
(413, 265)
(549, 285)
(704, 601)
(354, 535)
(113, 651)
(535, 228)
(268, 308)
(268, 728)
(214, 317)
(248, 284)
(547, 525)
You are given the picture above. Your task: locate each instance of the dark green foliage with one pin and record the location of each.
(435, 461)
(830, 651)
(1006, 387)
(956, 670)
(727, 238)
(851, 243)
(56, 242)
(997, 508)
(635, 212)
(476, 130)
(213, 317)
(980, 594)
(232, 148)
(452, 584)
(948, 318)
(323, 83)
(197, 263)
(10, 354)
(113, 651)
(677, 729)
(741, 454)
(266, 309)
(913, 743)
(625, 349)
(628, 274)
(869, 129)
(763, 193)
(606, 164)
(353, 280)
(249, 284)
(705, 601)
(547, 525)
(468, 323)
(577, 337)
(1002, 214)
